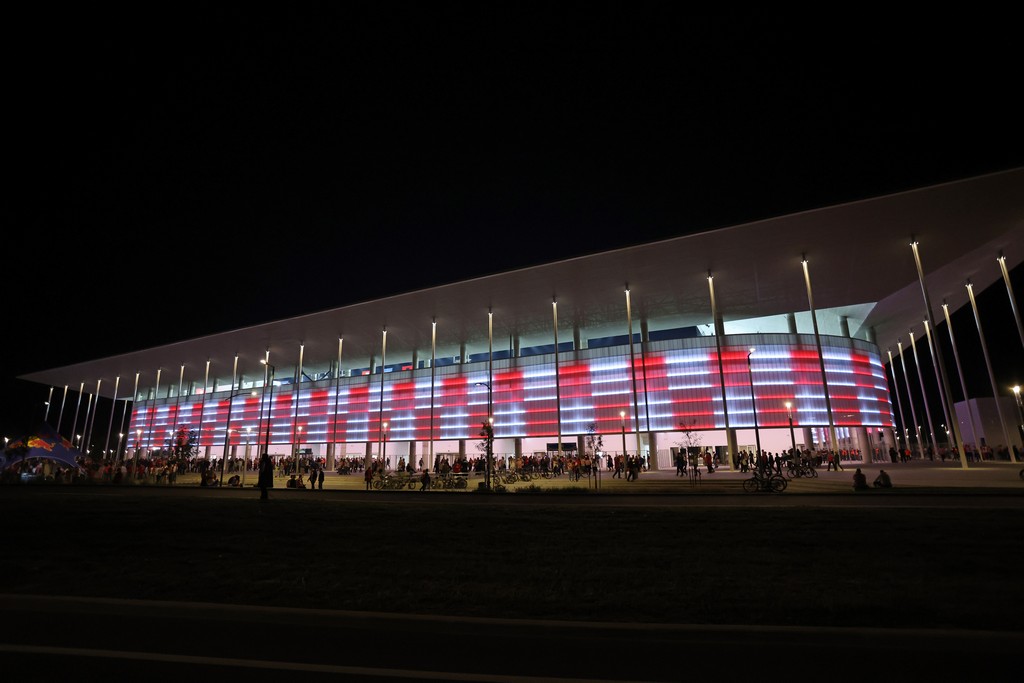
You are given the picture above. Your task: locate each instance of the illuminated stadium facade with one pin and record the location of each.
(735, 335)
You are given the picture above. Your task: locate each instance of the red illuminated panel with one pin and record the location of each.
(675, 387)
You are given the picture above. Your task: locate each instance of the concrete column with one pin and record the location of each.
(844, 326)
(368, 455)
(415, 359)
(871, 335)
(808, 438)
(330, 456)
(576, 336)
(515, 346)
(373, 364)
(791, 322)
(206, 453)
(581, 444)
(863, 442)
(732, 451)
(413, 458)
(652, 441)
(462, 448)
(518, 447)
(462, 352)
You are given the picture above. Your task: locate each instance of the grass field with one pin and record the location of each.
(560, 558)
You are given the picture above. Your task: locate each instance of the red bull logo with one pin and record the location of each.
(36, 442)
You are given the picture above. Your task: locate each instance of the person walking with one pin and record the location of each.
(320, 479)
(266, 476)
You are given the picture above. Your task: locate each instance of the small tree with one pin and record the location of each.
(184, 446)
(692, 439)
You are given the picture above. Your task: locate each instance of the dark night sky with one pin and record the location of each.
(161, 156)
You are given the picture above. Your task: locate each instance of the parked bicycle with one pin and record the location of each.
(800, 469)
(449, 481)
(394, 481)
(766, 482)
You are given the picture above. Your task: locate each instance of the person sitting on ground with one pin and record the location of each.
(292, 482)
(300, 484)
(860, 482)
(882, 481)
(235, 480)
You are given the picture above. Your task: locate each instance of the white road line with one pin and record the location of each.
(289, 666)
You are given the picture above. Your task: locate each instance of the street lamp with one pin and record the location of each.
(1020, 411)
(489, 435)
(753, 406)
(268, 378)
(622, 418)
(228, 430)
(135, 457)
(382, 452)
(298, 449)
(245, 460)
(117, 455)
(792, 437)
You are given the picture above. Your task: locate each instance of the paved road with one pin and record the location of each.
(60, 637)
(914, 475)
(104, 639)
(917, 484)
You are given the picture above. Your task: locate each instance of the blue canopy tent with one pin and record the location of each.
(44, 442)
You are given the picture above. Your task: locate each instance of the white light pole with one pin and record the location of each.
(380, 443)
(753, 405)
(1020, 412)
(135, 458)
(489, 434)
(792, 436)
(268, 378)
(622, 417)
(248, 446)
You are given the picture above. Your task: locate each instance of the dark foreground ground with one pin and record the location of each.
(935, 562)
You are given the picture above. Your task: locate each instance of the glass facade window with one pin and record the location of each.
(677, 383)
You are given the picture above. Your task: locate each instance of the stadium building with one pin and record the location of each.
(771, 334)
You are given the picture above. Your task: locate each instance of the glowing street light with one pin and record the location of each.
(792, 437)
(622, 417)
(248, 441)
(1020, 411)
(382, 452)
